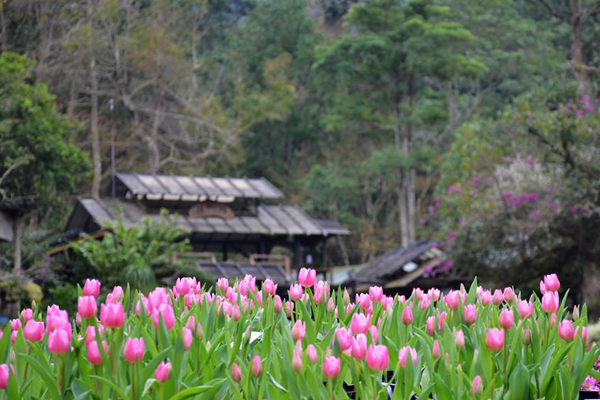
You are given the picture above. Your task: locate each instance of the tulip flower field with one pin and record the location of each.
(240, 340)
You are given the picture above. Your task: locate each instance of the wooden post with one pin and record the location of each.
(18, 232)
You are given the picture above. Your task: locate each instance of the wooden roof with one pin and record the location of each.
(270, 219)
(195, 188)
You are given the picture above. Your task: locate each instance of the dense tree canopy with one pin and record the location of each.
(469, 122)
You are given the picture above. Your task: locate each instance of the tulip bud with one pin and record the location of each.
(431, 325)
(236, 372)
(256, 366)
(94, 354)
(436, 349)
(297, 360)
(330, 305)
(187, 338)
(5, 375)
(526, 336)
(359, 346)
(278, 306)
(378, 357)
(507, 319)
(163, 371)
(331, 367)
(459, 339)
(407, 316)
(477, 386)
(312, 354)
(575, 313)
(346, 297)
(299, 331)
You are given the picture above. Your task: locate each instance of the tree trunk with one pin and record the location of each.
(3, 26)
(343, 250)
(96, 153)
(589, 290)
(17, 235)
(43, 45)
(580, 68)
(411, 205)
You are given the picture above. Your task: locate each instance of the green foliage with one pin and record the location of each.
(37, 159)
(139, 255)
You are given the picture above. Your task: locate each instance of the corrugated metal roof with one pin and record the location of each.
(194, 188)
(270, 220)
(232, 270)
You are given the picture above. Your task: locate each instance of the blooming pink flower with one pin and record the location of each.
(59, 341)
(236, 372)
(34, 331)
(134, 349)
(90, 333)
(331, 367)
(365, 302)
(187, 338)
(542, 288)
(163, 371)
(91, 288)
(550, 302)
(269, 287)
(296, 292)
(486, 297)
(86, 306)
(495, 339)
(27, 314)
(359, 346)
(297, 360)
(566, 330)
(5, 375)
(525, 309)
(94, 354)
(15, 324)
(509, 295)
(477, 386)
(470, 312)
(223, 284)
(360, 323)
(256, 368)
(378, 358)
(452, 299)
(116, 295)
(184, 286)
(431, 325)
(436, 349)
(307, 277)
(507, 319)
(459, 339)
(299, 331)
(407, 315)
(311, 351)
(278, 305)
(497, 297)
(376, 293)
(321, 292)
(404, 353)
(168, 316)
(344, 337)
(551, 282)
(112, 315)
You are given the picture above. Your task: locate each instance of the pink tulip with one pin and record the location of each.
(360, 323)
(86, 306)
(90, 333)
(256, 366)
(94, 354)
(407, 315)
(134, 349)
(331, 367)
(509, 295)
(543, 288)
(442, 320)
(486, 297)
(116, 295)
(223, 284)
(330, 305)
(359, 346)
(507, 319)
(459, 339)
(344, 337)
(376, 293)
(470, 312)
(321, 292)
(34, 331)
(5, 375)
(269, 287)
(495, 339)
(157, 297)
(404, 353)
(436, 349)
(452, 299)
(550, 302)
(299, 331)
(59, 341)
(311, 351)
(91, 288)
(525, 309)
(378, 358)
(584, 334)
(477, 386)
(13, 336)
(497, 297)
(142, 302)
(307, 277)
(296, 292)
(566, 330)
(112, 315)
(278, 306)
(27, 315)
(15, 324)
(236, 372)
(431, 325)
(187, 338)
(168, 316)
(297, 360)
(374, 334)
(365, 303)
(551, 282)
(163, 371)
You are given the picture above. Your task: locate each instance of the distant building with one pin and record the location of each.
(222, 215)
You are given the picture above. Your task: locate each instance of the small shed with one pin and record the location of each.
(421, 264)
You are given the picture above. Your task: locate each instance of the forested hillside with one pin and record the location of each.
(471, 122)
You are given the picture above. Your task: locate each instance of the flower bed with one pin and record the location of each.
(239, 342)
